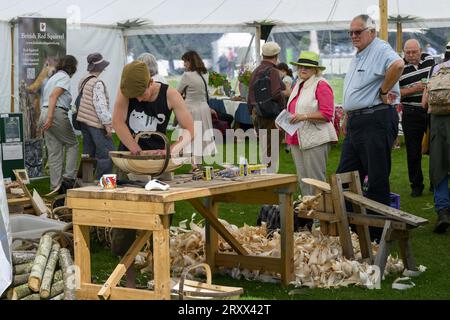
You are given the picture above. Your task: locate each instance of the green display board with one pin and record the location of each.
(11, 141)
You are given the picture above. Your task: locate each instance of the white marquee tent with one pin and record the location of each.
(92, 25)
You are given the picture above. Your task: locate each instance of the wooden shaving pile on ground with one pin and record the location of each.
(318, 260)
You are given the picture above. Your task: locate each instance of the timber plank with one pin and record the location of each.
(249, 262)
(89, 292)
(218, 226)
(385, 210)
(185, 191)
(117, 219)
(124, 264)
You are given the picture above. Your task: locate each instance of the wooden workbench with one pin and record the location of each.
(136, 208)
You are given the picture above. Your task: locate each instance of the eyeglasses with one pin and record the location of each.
(357, 32)
(305, 67)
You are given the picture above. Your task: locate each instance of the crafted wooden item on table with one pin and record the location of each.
(147, 163)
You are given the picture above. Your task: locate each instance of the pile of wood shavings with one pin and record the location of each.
(318, 260)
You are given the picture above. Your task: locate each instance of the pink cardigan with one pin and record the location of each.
(324, 96)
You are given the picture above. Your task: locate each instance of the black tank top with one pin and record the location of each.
(149, 116)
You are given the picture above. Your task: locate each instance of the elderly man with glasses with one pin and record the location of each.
(370, 91)
(414, 119)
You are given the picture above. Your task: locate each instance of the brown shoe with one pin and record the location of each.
(442, 222)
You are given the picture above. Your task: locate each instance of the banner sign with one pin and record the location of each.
(42, 42)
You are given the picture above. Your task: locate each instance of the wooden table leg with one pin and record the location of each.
(287, 238)
(82, 252)
(161, 253)
(211, 237)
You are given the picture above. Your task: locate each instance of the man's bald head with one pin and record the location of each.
(412, 51)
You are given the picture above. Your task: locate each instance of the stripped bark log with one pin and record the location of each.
(66, 264)
(45, 246)
(20, 257)
(20, 279)
(47, 278)
(22, 268)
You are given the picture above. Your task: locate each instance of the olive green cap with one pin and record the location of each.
(135, 79)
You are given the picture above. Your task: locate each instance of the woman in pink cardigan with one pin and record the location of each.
(312, 105)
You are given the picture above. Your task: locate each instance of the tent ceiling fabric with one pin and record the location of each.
(209, 12)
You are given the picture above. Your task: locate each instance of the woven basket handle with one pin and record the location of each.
(186, 271)
(166, 147)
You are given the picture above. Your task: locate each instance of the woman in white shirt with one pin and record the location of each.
(55, 123)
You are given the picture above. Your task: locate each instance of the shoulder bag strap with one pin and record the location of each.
(206, 87)
(85, 82)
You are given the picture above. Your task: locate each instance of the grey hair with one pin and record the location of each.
(370, 23)
(150, 61)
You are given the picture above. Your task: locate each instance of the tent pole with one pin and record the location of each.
(258, 43)
(399, 37)
(383, 19)
(125, 46)
(12, 69)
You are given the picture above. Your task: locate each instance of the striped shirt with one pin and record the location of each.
(413, 75)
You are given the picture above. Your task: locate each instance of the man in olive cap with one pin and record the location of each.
(139, 94)
(144, 105)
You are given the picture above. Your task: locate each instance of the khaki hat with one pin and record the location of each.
(135, 79)
(270, 49)
(308, 59)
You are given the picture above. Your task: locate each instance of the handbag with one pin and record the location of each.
(75, 123)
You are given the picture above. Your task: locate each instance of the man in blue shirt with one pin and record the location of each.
(370, 91)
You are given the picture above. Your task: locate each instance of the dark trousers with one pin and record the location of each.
(98, 145)
(414, 123)
(367, 148)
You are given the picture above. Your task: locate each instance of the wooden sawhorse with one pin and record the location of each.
(332, 212)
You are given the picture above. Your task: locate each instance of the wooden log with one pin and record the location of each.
(58, 276)
(34, 296)
(58, 297)
(45, 246)
(20, 257)
(56, 289)
(22, 291)
(47, 278)
(20, 279)
(22, 268)
(19, 292)
(66, 264)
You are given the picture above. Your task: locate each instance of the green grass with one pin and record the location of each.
(430, 250)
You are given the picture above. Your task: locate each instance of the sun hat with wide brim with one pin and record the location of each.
(96, 63)
(308, 59)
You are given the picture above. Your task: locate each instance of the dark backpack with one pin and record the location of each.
(75, 123)
(265, 106)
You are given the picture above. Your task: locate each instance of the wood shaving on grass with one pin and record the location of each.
(318, 259)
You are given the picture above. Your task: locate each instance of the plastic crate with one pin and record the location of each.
(395, 200)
